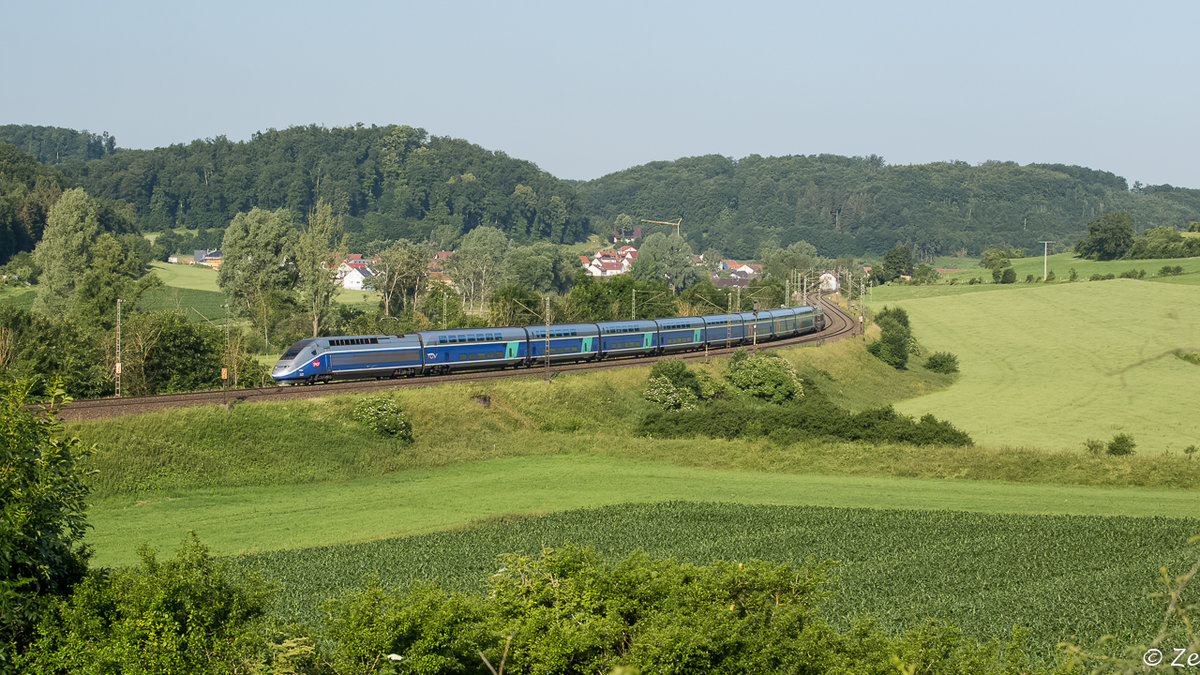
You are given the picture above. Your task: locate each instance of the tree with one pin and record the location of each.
(1109, 237)
(72, 227)
(994, 258)
(86, 263)
(255, 275)
(897, 261)
(400, 272)
(42, 510)
(316, 263)
(477, 264)
(1009, 276)
(665, 257)
(892, 347)
(779, 262)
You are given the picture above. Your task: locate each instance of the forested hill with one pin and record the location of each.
(391, 182)
(860, 205)
(396, 181)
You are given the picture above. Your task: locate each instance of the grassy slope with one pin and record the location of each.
(258, 467)
(1051, 366)
(237, 520)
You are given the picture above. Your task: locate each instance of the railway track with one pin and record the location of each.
(838, 325)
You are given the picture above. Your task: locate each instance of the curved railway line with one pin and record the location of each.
(838, 325)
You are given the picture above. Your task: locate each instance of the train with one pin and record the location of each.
(437, 352)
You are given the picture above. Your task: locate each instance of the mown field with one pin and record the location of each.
(1064, 577)
(1053, 365)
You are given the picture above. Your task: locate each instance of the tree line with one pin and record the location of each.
(394, 182)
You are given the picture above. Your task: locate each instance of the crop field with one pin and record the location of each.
(1061, 576)
(1052, 366)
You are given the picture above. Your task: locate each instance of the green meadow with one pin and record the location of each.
(1053, 365)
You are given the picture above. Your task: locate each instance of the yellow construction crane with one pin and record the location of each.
(666, 222)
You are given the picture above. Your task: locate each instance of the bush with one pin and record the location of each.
(765, 376)
(672, 386)
(384, 415)
(1170, 270)
(1094, 445)
(1050, 275)
(1009, 276)
(43, 499)
(177, 616)
(895, 339)
(1121, 444)
(942, 362)
(804, 418)
(1133, 274)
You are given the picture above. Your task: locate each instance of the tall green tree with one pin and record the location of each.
(86, 261)
(317, 251)
(896, 262)
(1109, 237)
(72, 228)
(477, 264)
(401, 270)
(256, 273)
(666, 258)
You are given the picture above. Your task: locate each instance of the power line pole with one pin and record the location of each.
(1045, 256)
(546, 348)
(633, 306)
(118, 348)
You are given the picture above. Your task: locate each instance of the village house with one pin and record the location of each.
(208, 258)
(610, 263)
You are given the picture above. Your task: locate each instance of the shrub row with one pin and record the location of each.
(810, 416)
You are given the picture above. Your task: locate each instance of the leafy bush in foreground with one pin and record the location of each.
(176, 616)
(672, 386)
(384, 415)
(766, 376)
(568, 611)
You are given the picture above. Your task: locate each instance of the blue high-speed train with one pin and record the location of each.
(441, 351)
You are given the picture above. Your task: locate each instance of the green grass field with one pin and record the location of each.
(1061, 265)
(1061, 576)
(246, 519)
(17, 296)
(1050, 366)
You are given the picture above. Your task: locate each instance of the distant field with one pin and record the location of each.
(1061, 576)
(194, 277)
(21, 297)
(1061, 265)
(1050, 366)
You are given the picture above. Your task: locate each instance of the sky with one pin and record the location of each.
(584, 89)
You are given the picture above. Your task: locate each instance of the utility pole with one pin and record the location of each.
(546, 348)
(754, 335)
(225, 366)
(118, 348)
(1045, 257)
(633, 306)
(444, 296)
